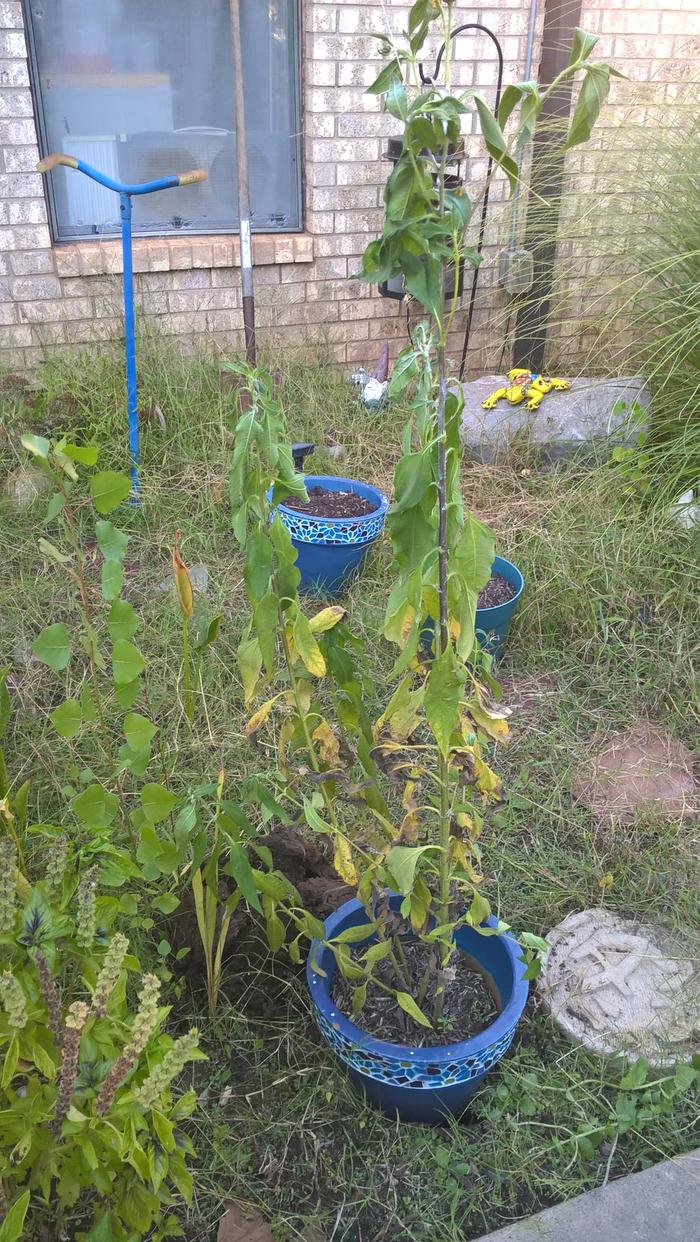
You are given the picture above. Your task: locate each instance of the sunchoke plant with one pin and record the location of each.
(430, 735)
(90, 1139)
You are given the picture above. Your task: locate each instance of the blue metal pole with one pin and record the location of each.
(130, 338)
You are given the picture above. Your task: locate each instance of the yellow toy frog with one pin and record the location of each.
(528, 384)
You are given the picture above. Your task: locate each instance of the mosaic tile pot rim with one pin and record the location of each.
(338, 483)
(503, 1025)
(499, 563)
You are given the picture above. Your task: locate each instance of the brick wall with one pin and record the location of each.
(69, 294)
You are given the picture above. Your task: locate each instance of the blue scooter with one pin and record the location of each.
(125, 193)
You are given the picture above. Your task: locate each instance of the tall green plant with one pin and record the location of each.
(432, 726)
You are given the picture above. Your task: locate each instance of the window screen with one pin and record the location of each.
(143, 88)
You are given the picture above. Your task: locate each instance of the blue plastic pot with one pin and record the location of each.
(420, 1084)
(492, 624)
(331, 550)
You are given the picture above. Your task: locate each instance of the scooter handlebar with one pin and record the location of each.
(51, 161)
(188, 178)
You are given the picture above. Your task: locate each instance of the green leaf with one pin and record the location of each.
(239, 867)
(479, 910)
(52, 646)
(112, 579)
(413, 477)
(443, 694)
(390, 74)
(396, 101)
(68, 718)
(422, 275)
(473, 554)
(55, 505)
(5, 704)
(127, 662)
(84, 454)
(112, 542)
(39, 446)
(258, 564)
(495, 142)
(249, 664)
(122, 621)
(592, 96)
(109, 489)
(402, 861)
(582, 46)
(410, 1007)
(166, 903)
(127, 694)
(95, 806)
(405, 369)
(157, 803)
(210, 634)
(313, 818)
(12, 1227)
(139, 731)
(685, 1076)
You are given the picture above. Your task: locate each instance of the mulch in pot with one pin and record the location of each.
(497, 591)
(468, 1008)
(325, 503)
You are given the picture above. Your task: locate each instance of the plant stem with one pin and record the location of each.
(304, 726)
(189, 713)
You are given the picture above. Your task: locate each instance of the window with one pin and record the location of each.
(143, 88)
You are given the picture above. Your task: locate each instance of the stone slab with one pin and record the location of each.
(618, 986)
(660, 1203)
(565, 422)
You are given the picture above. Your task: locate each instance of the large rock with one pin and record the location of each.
(616, 986)
(591, 412)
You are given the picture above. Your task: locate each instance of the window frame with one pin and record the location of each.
(61, 239)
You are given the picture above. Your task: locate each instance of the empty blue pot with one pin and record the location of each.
(331, 550)
(420, 1084)
(492, 624)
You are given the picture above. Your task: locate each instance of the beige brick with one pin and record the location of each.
(367, 124)
(323, 20)
(16, 102)
(320, 73)
(11, 15)
(92, 330)
(16, 133)
(343, 47)
(25, 237)
(304, 248)
(341, 197)
(263, 250)
(345, 150)
(27, 211)
(357, 72)
(353, 244)
(12, 44)
(49, 334)
(199, 278)
(358, 330)
(67, 260)
(319, 126)
(367, 172)
(8, 313)
(21, 185)
(14, 73)
(159, 256)
(320, 174)
(678, 23)
(32, 262)
(224, 320)
(31, 288)
(51, 310)
(312, 312)
(222, 252)
(19, 335)
(202, 254)
(321, 222)
(180, 255)
(330, 269)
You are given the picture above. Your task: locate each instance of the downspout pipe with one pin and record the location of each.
(561, 17)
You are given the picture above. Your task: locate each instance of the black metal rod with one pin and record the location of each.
(489, 168)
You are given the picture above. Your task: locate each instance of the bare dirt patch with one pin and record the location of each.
(644, 767)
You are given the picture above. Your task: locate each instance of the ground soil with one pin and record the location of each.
(643, 767)
(325, 503)
(497, 591)
(249, 970)
(469, 1006)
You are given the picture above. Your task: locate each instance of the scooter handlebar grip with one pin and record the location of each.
(188, 178)
(52, 161)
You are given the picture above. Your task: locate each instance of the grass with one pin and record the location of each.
(606, 636)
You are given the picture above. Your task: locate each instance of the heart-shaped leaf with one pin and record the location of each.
(109, 489)
(52, 646)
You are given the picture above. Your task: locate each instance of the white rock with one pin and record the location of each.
(25, 484)
(616, 986)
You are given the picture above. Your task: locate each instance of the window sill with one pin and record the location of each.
(169, 254)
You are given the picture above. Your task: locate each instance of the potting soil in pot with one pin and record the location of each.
(468, 1007)
(323, 502)
(497, 591)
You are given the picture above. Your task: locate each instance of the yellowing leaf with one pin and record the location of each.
(329, 746)
(286, 733)
(309, 650)
(183, 584)
(326, 619)
(259, 717)
(342, 860)
(410, 1007)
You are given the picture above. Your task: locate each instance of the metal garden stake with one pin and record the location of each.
(125, 193)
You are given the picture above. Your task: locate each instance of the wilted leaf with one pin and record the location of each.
(342, 859)
(183, 584)
(242, 1223)
(259, 717)
(326, 619)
